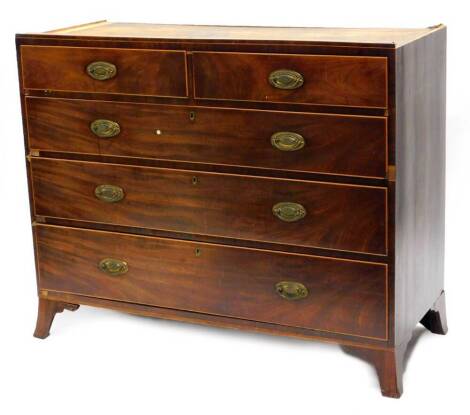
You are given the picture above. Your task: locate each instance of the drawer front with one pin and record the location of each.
(322, 143)
(333, 216)
(123, 71)
(354, 81)
(337, 296)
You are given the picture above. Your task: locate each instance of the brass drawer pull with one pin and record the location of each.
(109, 193)
(113, 266)
(291, 290)
(101, 71)
(286, 79)
(105, 128)
(287, 141)
(289, 211)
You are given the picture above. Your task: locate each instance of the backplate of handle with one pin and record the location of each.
(286, 79)
(101, 70)
(289, 211)
(112, 266)
(287, 141)
(105, 128)
(109, 193)
(291, 290)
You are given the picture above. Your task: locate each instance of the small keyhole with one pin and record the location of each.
(194, 180)
(192, 115)
(197, 252)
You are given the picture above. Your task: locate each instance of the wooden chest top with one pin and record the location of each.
(377, 36)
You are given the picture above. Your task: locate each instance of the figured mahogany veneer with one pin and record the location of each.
(328, 80)
(344, 296)
(146, 72)
(336, 144)
(289, 181)
(339, 216)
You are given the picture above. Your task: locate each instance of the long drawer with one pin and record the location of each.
(313, 214)
(321, 143)
(355, 81)
(123, 71)
(310, 292)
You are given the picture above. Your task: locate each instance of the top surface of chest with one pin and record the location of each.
(143, 31)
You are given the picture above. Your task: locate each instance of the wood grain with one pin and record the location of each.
(344, 296)
(346, 145)
(144, 72)
(389, 365)
(420, 181)
(339, 216)
(213, 320)
(391, 37)
(328, 80)
(381, 235)
(47, 309)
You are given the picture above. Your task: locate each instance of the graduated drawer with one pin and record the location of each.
(324, 294)
(123, 71)
(356, 81)
(317, 214)
(322, 143)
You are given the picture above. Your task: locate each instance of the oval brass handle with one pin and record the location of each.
(105, 128)
(286, 79)
(289, 211)
(112, 266)
(101, 71)
(291, 290)
(287, 141)
(109, 193)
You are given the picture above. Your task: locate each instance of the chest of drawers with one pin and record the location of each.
(282, 180)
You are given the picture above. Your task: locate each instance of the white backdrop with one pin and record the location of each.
(99, 361)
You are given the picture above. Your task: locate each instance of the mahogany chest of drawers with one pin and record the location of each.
(283, 180)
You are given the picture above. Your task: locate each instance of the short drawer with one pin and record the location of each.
(317, 293)
(354, 81)
(122, 71)
(313, 214)
(320, 143)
